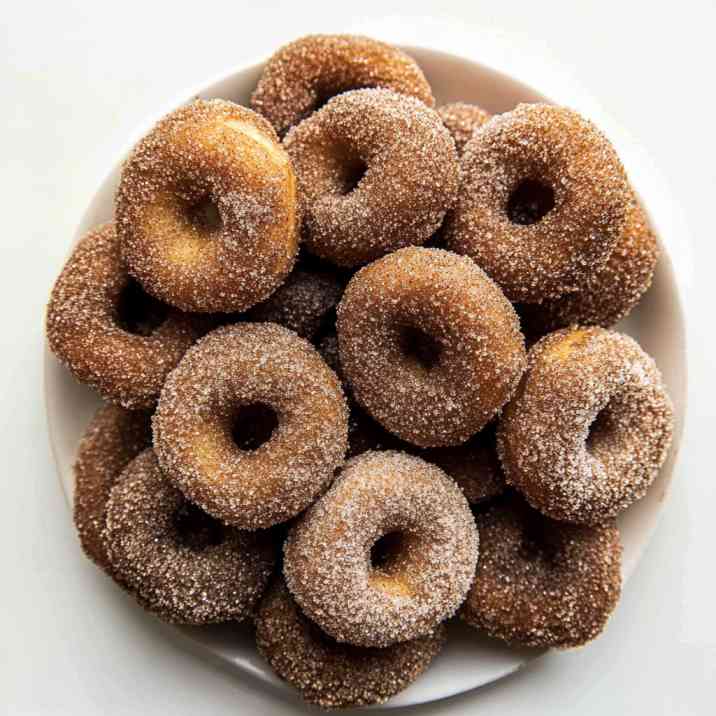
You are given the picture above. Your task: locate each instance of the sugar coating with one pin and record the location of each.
(84, 331)
(333, 675)
(180, 582)
(542, 583)
(301, 303)
(376, 171)
(327, 556)
(447, 297)
(242, 365)
(227, 159)
(113, 438)
(559, 149)
(461, 120)
(304, 74)
(589, 427)
(610, 292)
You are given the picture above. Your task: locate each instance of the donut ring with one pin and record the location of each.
(428, 560)
(333, 675)
(183, 565)
(461, 120)
(113, 438)
(589, 427)
(206, 209)
(302, 304)
(430, 346)
(303, 75)
(376, 171)
(542, 583)
(108, 333)
(542, 203)
(237, 367)
(610, 292)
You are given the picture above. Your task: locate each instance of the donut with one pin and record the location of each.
(113, 438)
(215, 393)
(461, 120)
(108, 332)
(333, 675)
(302, 304)
(589, 426)
(542, 583)
(473, 465)
(206, 209)
(376, 171)
(386, 554)
(430, 346)
(303, 75)
(184, 566)
(611, 291)
(542, 202)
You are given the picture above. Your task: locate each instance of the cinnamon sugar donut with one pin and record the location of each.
(461, 120)
(611, 291)
(302, 304)
(113, 438)
(589, 427)
(542, 583)
(542, 203)
(386, 554)
(333, 675)
(108, 332)
(184, 566)
(376, 171)
(430, 346)
(206, 209)
(301, 76)
(217, 389)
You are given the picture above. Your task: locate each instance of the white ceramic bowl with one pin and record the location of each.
(470, 659)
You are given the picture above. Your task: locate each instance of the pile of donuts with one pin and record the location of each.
(310, 321)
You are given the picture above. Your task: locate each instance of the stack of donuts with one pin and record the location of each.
(310, 320)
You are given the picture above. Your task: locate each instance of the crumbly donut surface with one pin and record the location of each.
(303, 75)
(462, 119)
(589, 427)
(431, 545)
(333, 675)
(206, 209)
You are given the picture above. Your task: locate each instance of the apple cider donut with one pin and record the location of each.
(113, 438)
(461, 120)
(108, 332)
(589, 426)
(376, 171)
(542, 203)
(206, 209)
(303, 75)
(302, 304)
(386, 554)
(430, 346)
(183, 565)
(234, 378)
(333, 675)
(609, 293)
(542, 583)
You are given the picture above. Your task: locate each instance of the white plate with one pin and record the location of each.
(470, 659)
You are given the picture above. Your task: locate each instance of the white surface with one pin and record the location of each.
(76, 80)
(469, 659)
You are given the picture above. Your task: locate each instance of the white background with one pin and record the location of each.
(75, 79)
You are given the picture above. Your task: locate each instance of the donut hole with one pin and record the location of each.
(601, 428)
(138, 312)
(204, 215)
(354, 170)
(253, 425)
(419, 347)
(538, 541)
(530, 201)
(386, 551)
(196, 529)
